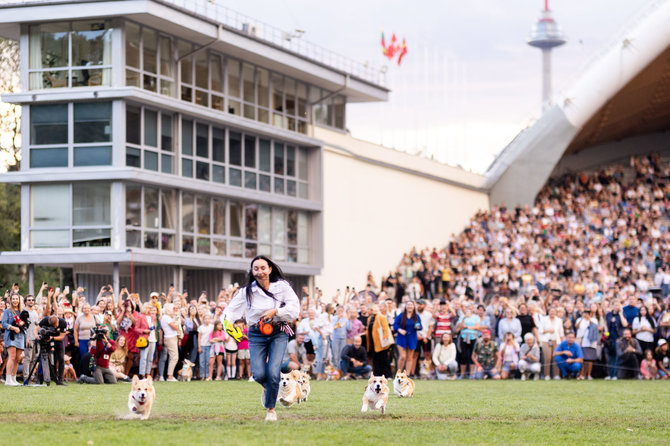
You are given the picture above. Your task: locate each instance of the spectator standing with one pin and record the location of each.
(169, 324)
(204, 346)
(509, 324)
(14, 337)
(616, 322)
(644, 329)
(551, 334)
(380, 340)
(407, 324)
(82, 329)
(340, 326)
(468, 330)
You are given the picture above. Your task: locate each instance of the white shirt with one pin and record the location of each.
(645, 336)
(261, 302)
(152, 335)
(556, 324)
(168, 332)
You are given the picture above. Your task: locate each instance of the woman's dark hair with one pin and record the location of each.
(275, 276)
(650, 319)
(403, 320)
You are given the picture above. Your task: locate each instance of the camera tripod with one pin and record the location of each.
(47, 361)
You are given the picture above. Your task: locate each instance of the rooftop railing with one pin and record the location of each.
(288, 41)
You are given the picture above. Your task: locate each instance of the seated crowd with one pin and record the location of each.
(577, 285)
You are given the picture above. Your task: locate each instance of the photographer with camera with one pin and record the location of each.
(53, 330)
(15, 322)
(30, 353)
(102, 352)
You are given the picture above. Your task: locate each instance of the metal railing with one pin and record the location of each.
(288, 41)
(233, 20)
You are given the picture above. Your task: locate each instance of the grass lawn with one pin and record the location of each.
(458, 412)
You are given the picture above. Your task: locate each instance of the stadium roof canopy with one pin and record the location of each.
(619, 106)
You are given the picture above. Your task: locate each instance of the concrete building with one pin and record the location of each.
(171, 141)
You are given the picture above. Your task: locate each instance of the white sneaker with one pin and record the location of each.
(614, 378)
(523, 377)
(11, 381)
(251, 379)
(607, 378)
(537, 377)
(172, 379)
(271, 416)
(161, 379)
(557, 377)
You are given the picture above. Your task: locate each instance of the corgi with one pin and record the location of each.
(403, 386)
(289, 389)
(141, 398)
(426, 369)
(376, 394)
(186, 372)
(303, 381)
(332, 373)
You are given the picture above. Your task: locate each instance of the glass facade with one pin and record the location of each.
(70, 215)
(71, 135)
(213, 226)
(70, 54)
(224, 83)
(79, 214)
(214, 153)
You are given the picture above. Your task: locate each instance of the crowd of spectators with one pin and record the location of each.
(577, 285)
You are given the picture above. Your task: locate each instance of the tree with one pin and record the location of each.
(10, 114)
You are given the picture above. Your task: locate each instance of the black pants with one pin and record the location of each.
(59, 357)
(381, 363)
(629, 366)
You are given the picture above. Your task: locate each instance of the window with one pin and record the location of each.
(149, 59)
(71, 54)
(151, 217)
(155, 130)
(50, 142)
(64, 215)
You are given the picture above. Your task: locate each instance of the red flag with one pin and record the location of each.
(403, 51)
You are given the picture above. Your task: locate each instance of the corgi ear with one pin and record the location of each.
(150, 380)
(136, 379)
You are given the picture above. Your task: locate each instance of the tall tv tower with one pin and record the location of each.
(546, 35)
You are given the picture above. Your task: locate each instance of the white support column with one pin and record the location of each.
(31, 279)
(115, 278)
(118, 207)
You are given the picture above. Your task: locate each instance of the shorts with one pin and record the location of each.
(231, 352)
(243, 354)
(506, 366)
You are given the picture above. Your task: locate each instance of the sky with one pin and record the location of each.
(469, 82)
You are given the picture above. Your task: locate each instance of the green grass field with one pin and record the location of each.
(458, 412)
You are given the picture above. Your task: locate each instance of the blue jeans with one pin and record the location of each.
(566, 369)
(147, 358)
(204, 361)
(267, 354)
(337, 345)
(320, 350)
(612, 362)
(194, 351)
(360, 370)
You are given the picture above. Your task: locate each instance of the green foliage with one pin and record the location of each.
(462, 412)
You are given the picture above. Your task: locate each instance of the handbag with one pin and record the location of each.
(142, 342)
(385, 342)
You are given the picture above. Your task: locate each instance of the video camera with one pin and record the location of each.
(46, 334)
(98, 332)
